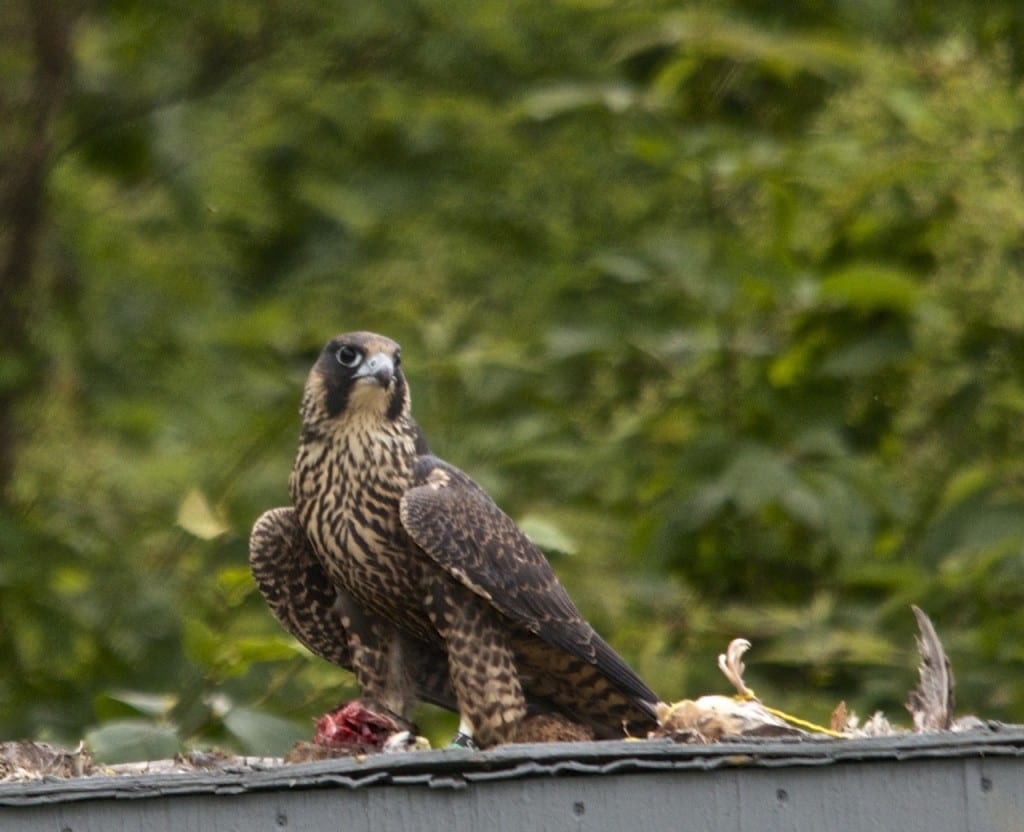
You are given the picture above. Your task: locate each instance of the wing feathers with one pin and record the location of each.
(461, 528)
(301, 596)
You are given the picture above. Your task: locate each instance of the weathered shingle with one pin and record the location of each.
(910, 782)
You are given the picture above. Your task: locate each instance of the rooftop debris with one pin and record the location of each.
(354, 730)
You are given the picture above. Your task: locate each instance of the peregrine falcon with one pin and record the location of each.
(399, 566)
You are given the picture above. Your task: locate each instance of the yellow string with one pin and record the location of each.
(792, 720)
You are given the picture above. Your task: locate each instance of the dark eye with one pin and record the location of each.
(349, 356)
(398, 357)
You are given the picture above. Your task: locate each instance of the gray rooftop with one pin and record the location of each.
(955, 781)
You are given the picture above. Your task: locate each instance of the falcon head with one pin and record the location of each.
(357, 375)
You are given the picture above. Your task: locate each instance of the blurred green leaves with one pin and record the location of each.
(126, 740)
(727, 304)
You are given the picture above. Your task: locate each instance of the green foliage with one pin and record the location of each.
(726, 304)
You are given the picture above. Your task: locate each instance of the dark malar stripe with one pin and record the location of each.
(337, 398)
(397, 401)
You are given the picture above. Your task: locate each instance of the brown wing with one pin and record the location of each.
(302, 598)
(460, 527)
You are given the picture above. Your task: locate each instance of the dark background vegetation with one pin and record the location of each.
(723, 301)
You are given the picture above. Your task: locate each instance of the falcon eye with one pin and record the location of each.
(349, 356)
(398, 357)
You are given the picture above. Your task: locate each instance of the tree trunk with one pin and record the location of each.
(46, 26)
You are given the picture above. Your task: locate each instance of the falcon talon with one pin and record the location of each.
(396, 565)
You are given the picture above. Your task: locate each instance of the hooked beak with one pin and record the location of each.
(379, 367)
